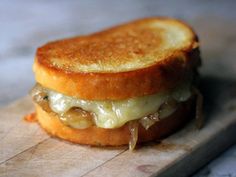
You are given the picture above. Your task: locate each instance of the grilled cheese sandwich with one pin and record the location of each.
(130, 82)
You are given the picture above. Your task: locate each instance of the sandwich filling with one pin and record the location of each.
(79, 113)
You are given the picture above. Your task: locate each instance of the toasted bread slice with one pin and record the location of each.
(134, 59)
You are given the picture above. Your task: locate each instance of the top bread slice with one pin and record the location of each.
(139, 58)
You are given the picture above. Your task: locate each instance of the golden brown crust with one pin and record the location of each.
(59, 65)
(114, 137)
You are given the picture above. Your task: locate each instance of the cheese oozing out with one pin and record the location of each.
(115, 113)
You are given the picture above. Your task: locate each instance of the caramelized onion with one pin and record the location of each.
(199, 113)
(40, 97)
(77, 118)
(149, 120)
(165, 110)
(133, 128)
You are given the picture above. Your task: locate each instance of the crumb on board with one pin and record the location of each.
(30, 117)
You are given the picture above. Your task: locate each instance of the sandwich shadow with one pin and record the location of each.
(219, 95)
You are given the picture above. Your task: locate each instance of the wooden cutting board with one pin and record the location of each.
(26, 150)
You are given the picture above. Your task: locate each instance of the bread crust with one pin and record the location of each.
(166, 72)
(114, 137)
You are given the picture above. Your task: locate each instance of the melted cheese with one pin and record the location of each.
(114, 114)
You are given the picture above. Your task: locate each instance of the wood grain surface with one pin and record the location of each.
(26, 150)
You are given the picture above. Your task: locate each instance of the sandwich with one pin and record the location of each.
(128, 84)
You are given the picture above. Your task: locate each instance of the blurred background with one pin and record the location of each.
(26, 25)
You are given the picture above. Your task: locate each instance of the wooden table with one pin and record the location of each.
(25, 25)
